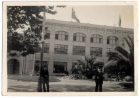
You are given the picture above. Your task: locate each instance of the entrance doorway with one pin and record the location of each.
(60, 67)
(13, 66)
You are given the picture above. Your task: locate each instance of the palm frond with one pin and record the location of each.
(116, 56)
(113, 56)
(122, 51)
(110, 63)
(130, 44)
(131, 40)
(121, 57)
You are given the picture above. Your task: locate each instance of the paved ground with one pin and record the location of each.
(65, 85)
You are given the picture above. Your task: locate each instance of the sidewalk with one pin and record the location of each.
(65, 85)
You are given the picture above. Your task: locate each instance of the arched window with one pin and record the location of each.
(80, 37)
(96, 38)
(61, 35)
(47, 33)
(112, 40)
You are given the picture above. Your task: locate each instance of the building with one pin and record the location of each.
(67, 42)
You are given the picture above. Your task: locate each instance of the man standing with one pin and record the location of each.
(99, 80)
(45, 78)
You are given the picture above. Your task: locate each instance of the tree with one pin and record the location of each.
(89, 65)
(24, 28)
(29, 20)
(123, 58)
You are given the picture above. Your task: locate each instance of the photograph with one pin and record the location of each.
(63, 47)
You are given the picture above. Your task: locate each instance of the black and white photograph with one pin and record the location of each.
(73, 47)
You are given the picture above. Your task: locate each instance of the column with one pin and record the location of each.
(51, 50)
(87, 48)
(70, 50)
(50, 67)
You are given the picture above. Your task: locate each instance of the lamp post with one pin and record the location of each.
(42, 41)
(42, 49)
(40, 81)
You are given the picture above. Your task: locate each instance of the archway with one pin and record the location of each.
(13, 66)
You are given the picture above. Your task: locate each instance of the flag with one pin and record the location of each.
(119, 21)
(74, 16)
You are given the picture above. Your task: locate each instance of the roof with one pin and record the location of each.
(88, 25)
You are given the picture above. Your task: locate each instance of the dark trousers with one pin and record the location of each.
(98, 87)
(45, 84)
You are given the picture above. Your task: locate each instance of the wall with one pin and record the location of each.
(72, 28)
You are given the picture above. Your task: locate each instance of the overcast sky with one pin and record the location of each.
(101, 15)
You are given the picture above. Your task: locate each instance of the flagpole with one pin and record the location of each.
(71, 14)
(119, 21)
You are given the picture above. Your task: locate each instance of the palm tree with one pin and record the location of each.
(123, 58)
(89, 65)
(87, 62)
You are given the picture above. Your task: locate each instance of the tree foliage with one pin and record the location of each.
(88, 65)
(124, 58)
(29, 20)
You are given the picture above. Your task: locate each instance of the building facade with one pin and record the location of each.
(67, 42)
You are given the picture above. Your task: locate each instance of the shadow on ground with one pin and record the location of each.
(127, 85)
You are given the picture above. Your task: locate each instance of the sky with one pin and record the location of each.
(98, 14)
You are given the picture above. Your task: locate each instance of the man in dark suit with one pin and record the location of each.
(44, 74)
(99, 80)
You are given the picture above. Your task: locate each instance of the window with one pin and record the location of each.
(78, 50)
(61, 35)
(80, 37)
(96, 38)
(61, 49)
(47, 36)
(60, 67)
(112, 40)
(46, 48)
(96, 51)
(47, 33)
